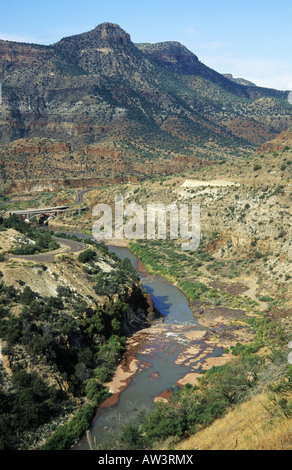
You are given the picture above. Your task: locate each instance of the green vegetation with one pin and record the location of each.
(34, 241)
(192, 408)
(87, 255)
(166, 258)
(193, 290)
(107, 283)
(66, 435)
(32, 404)
(76, 342)
(82, 351)
(231, 269)
(257, 167)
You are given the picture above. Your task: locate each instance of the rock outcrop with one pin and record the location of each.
(141, 310)
(281, 142)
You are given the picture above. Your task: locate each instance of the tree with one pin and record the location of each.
(87, 255)
(27, 296)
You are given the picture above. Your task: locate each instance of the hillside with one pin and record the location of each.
(106, 107)
(254, 425)
(62, 332)
(245, 203)
(238, 284)
(245, 210)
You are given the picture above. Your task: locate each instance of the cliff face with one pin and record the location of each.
(30, 164)
(141, 310)
(99, 46)
(147, 103)
(34, 165)
(15, 54)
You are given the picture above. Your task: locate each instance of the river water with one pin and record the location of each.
(164, 354)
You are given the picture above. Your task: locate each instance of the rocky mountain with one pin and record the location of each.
(241, 81)
(176, 58)
(141, 104)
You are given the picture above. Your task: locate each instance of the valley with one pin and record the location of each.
(237, 283)
(131, 342)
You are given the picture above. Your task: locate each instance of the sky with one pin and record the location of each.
(250, 39)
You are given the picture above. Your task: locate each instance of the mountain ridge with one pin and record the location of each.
(150, 103)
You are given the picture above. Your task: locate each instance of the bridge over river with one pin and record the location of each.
(45, 213)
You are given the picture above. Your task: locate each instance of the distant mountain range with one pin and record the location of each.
(143, 103)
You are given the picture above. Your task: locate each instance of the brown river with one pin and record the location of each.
(172, 351)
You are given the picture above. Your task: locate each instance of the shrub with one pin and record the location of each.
(193, 290)
(257, 167)
(266, 298)
(65, 436)
(95, 391)
(87, 255)
(27, 296)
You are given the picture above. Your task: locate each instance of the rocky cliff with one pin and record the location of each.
(145, 103)
(141, 311)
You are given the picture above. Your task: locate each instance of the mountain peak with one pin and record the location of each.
(112, 32)
(97, 48)
(107, 26)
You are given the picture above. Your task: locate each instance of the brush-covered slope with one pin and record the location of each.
(63, 326)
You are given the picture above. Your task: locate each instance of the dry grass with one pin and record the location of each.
(247, 427)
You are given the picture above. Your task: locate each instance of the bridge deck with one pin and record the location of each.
(40, 210)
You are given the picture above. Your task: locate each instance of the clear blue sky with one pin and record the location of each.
(250, 39)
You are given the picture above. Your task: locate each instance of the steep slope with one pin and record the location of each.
(176, 58)
(62, 333)
(283, 141)
(242, 109)
(148, 103)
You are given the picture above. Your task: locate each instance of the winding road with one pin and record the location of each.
(79, 197)
(67, 246)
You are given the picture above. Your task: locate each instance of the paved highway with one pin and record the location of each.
(71, 246)
(40, 210)
(79, 199)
